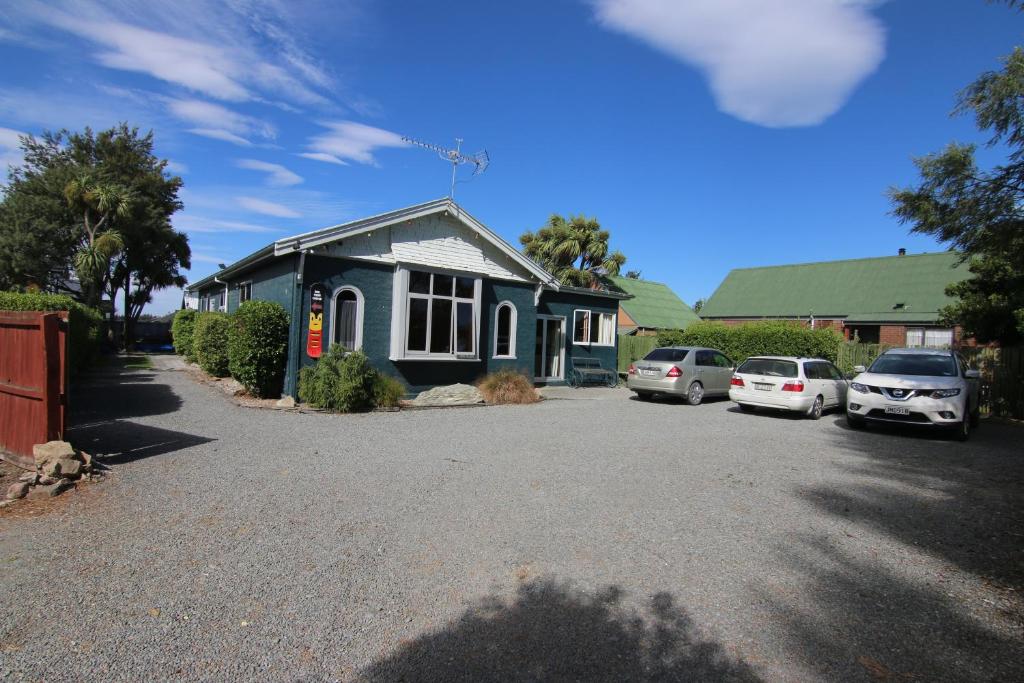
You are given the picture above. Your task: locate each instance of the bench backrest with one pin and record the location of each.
(586, 363)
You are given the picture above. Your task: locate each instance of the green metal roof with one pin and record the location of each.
(886, 289)
(654, 305)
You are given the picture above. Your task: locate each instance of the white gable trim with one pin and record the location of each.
(316, 238)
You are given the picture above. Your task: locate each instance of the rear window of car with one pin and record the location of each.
(769, 366)
(922, 365)
(667, 355)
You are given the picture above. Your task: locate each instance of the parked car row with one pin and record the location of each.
(924, 387)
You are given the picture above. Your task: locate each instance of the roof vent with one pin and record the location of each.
(902, 252)
(898, 307)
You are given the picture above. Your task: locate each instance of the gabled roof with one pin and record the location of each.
(654, 305)
(334, 233)
(315, 238)
(886, 289)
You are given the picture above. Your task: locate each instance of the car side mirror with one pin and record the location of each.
(857, 369)
(972, 374)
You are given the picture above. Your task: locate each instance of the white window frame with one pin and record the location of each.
(916, 331)
(591, 315)
(360, 308)
(513, 319)
(935, 330)
(241, 288)
(401, 296)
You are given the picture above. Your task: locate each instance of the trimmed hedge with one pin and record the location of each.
(83, 323)
(183, 330)
(210, 342)
(258, 347)
(340, 382)
(775, 338)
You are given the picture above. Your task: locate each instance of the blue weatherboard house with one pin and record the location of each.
(428, 293)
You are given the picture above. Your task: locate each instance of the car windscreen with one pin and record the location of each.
(924, 365)
(771, 367)
(667, 355)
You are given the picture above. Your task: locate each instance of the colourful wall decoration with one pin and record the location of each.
(315, 338)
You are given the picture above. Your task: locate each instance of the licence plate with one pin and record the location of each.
(649, 373)
(897, 410)
(763, 387)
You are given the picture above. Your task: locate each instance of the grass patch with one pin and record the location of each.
(138, 363)
(507, 387)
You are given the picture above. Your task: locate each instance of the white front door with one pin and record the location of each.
(549, 360)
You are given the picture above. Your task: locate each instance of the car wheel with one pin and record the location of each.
(854, 422)
(817, 408)
(747, 409)
(695, 394)
(963, 430)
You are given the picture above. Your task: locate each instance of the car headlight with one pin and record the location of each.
(945, 393)
(857, 386)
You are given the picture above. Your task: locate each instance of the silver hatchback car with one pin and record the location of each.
(687, 371)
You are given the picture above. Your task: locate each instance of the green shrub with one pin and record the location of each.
(339, 382)
(83, 323)
(739, 342)
(387, 391)
(507, 386)
(183, 330)
(210, 342)
(258, 347)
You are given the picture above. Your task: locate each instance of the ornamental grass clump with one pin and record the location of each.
(507, 386)
(339, 382)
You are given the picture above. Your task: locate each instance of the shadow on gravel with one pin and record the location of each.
(115, 441)
(111, 396)
(959, 502)
(552, 632)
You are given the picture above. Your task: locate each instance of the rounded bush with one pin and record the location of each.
(183, 332)
(83, 322)
(210, 342)
(340, 382)
(258, 347)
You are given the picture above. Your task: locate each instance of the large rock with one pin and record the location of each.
(52, 490)
(285, 403)
(52, 450)
(15, 491)
(452, 395)
(69, 468)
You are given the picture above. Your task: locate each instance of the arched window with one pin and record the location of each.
(505, 330)
(347, 319)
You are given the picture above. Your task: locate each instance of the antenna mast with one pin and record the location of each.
(480, 160)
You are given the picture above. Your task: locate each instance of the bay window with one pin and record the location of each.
(441, 315)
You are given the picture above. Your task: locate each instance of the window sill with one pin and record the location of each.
(503, 358)
(591, 344)
(436, 359)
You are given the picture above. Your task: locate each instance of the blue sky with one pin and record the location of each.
(705, 134)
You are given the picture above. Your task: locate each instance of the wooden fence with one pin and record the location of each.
(33, 382)
(632, 349)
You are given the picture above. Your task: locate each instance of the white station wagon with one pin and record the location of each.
(802, 385)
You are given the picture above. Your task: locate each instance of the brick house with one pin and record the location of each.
(653, 306)
(891, 300)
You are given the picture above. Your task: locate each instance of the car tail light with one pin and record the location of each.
(674, 372)
(797, 386)
(632, 369)
(736, 381)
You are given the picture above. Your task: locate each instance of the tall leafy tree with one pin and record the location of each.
(574, 249)
(68, 183)
(980, 212)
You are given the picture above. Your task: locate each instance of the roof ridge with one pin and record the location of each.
(640, 279)
(848, 260)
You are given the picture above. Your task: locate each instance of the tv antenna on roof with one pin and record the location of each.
(480, 160)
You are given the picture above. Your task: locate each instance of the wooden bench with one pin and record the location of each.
(590, 371)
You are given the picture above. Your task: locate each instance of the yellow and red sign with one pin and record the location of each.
(315, 337)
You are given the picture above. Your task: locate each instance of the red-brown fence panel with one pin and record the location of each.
(33, 382)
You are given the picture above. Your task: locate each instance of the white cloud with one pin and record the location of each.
(210, 116)
(352, 141)
(262, 206)
(277, 175)
(201, 224)
(10, 150)
(176, 167)
(322, 156)
(200, 257)
(224, 135)
(774, 62)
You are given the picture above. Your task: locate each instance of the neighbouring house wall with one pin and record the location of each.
(563, 304)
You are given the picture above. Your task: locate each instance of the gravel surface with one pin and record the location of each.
(600, 538)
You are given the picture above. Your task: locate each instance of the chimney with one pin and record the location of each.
(903, 252)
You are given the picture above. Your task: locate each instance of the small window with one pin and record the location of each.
(347, 321)
(581, 327)
(813, 371)
(244, 292)
(504, 330)
(769, 367)
(833, 371)
(593, 328)
(915, 337)
(938, 338)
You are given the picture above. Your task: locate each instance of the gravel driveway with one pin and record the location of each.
(594, 539)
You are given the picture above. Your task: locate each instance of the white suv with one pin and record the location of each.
(928, 387)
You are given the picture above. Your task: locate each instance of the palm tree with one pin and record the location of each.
(99, 204)
(574, 250)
